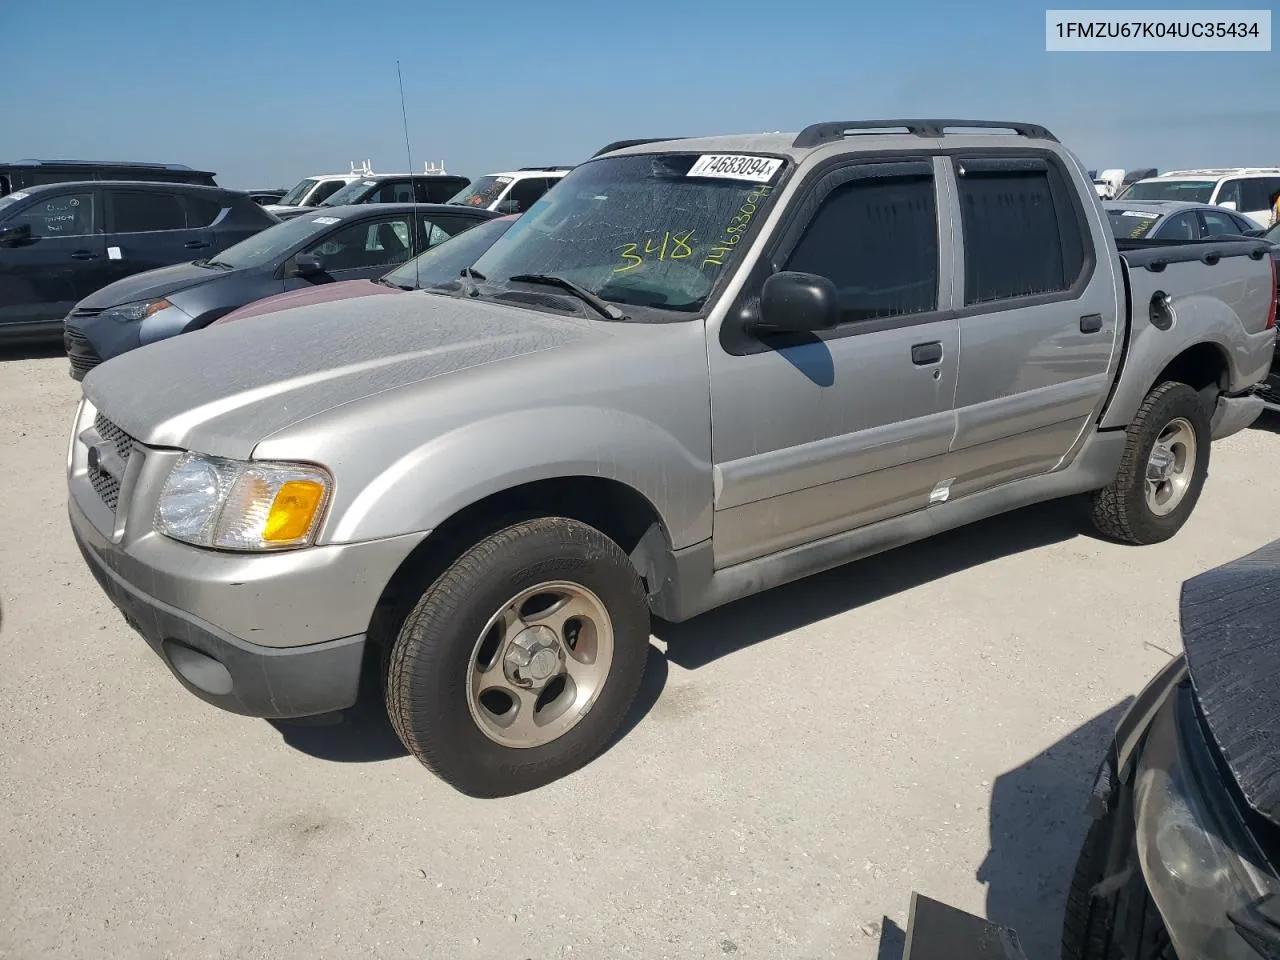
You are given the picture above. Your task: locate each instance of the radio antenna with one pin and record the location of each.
(417, 282)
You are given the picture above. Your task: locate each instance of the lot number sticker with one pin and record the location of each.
(735, 166)
(328, 220)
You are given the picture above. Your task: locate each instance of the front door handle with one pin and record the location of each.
(84, 255)
(1091, 324)
(923, 354)
(196, 244)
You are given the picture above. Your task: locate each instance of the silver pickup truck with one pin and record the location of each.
(695, 370)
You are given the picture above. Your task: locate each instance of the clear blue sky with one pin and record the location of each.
(264, 93)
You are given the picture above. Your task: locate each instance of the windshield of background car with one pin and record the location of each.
(1197, 191)
(444, 263)
(351, 193)
(294, 196)
(482, 192)
(1132, 224)
(274, 242)
(651, 230)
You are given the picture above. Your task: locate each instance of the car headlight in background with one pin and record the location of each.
(138, 310)
(1199, 861)
(242, 505)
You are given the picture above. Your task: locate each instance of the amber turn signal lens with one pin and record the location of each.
(292, 511)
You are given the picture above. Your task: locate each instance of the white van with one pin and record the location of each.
(1247, 190)
(309, 191)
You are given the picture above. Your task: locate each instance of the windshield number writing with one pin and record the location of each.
(674, 246)
(738, 225)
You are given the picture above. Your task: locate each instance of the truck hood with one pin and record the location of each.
(150, 285)
(223, 389)
(1230, 620)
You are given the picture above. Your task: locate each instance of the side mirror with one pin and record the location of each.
(15, 232)
(798, 303)
(1228, 205)
(308, 265)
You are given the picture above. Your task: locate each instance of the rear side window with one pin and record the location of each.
(201, 211)
(1255, 194)
(138, 211)
(1022, 235)
(876, 239)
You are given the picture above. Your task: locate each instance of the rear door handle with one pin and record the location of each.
(84, 255)
(1091, 324)
(196, 244)
(923, 354)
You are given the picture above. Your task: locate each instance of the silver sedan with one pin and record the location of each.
(1173, 220)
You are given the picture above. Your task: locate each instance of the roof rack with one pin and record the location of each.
(562, 166)
(819, 133)
(98, 163)
(363, 169)
(1218, 171)
(622, 144)
(432, 169)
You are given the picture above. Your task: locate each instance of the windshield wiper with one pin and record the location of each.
(391, 283)
(213, 264)
(603, 307)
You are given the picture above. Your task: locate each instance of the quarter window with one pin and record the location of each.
(876, 239)
(1022, 237)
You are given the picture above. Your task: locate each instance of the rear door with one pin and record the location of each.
(43, 276)
(816, 435)
(148, 229)
(1039, 318)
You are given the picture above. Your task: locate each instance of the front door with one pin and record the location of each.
(816, 435)
(362, 250)
(1039, 322)
(44, 275)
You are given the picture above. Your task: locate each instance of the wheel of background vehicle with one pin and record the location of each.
(1166, 460)
(1089, 930)
(522, 659)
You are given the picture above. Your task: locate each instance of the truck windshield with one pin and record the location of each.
(482, 192)
(294, 196)
(652, 230)
(1197, 191)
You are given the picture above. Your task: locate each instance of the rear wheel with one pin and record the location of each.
(520, 662)
(1165, 463)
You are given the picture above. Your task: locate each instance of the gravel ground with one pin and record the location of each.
(799, 763)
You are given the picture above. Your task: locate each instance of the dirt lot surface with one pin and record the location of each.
(799, 762)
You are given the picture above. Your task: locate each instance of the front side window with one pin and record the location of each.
(1230, 192)
(1021, 234)
(652, 230)
(137, 211)
(65, 215)
(1255, 194)
(1197, 191)
(876, 239)
(1182, 226)
(273, 243)
(365, 244)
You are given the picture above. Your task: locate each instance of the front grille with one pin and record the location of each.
(86, 311)
(105, 482)
(80, 352)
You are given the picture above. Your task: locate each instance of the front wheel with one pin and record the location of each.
(1165, 463)
(520, 662)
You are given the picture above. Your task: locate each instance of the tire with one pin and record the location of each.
(1122, 925)
(1123, 511)
(434, 672)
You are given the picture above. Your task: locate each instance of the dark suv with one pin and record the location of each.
(390, 188)
(21, 174)
(60, 243)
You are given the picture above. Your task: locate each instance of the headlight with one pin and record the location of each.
(242, 505)
(1198, 858)
(139, 310)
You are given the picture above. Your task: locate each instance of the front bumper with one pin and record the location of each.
(274, 635)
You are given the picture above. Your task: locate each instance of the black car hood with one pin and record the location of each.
(150, 285)
(1231, 635)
